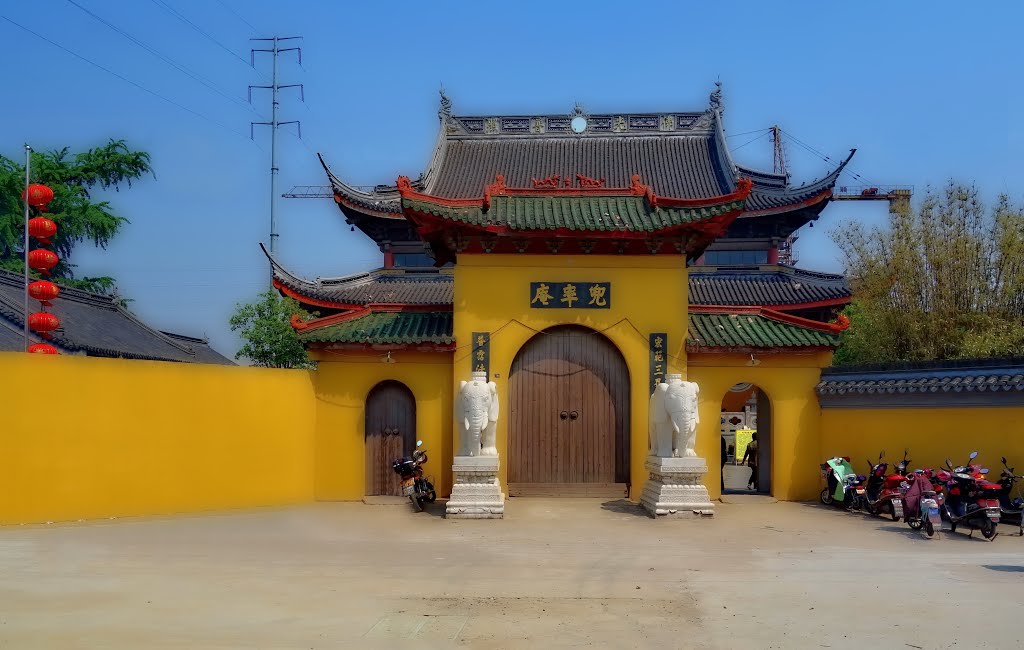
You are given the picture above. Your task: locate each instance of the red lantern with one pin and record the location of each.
(38, 196)
(42, 321)
(42, 229)
(42, 348)
(42, 260)
(43, 291)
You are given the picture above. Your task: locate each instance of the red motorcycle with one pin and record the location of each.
(882, 492)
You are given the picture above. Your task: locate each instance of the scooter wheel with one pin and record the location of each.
(915, 524)
(988, 529)
(929, 528)
(892, 513)
(416, 503)
(431, 497)
(826, 497)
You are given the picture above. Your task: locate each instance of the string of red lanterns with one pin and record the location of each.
(42, 260)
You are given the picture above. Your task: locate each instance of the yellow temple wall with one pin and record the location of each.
(87, 438)
(788, 380)
(648, 294)
(930, 434)
(342, 383)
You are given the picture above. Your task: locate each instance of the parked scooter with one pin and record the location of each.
(882, 493)
(414, 484)
(1010, 507)
(922, 502)
(971, 500)
(843, 486)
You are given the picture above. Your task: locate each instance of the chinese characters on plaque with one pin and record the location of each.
(570, 295)
(659, 358)
(481, 355)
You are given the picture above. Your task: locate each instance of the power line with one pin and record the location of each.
(123, 78)
(754, 139)
(736, 135)
(181, 68)
(236, 14)
(171, 10)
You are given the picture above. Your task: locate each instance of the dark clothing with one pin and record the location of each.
(725, 457)
(750, 458)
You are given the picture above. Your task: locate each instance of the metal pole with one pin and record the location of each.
(273, 158)
(28, 166)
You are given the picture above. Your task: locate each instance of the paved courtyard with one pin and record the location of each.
(554, 573)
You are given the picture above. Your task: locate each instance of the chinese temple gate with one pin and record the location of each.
(576, 259)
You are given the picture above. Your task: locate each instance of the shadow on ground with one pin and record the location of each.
(626, 507)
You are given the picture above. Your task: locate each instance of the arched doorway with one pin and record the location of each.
(746, 417)
(390, 434)
(569, 416)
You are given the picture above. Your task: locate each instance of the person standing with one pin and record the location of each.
(725, 457)
(750, 458)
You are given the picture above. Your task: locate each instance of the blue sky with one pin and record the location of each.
(926, 92)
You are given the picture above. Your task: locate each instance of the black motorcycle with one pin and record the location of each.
(414, 485)
(971, 501)
(1010, 507)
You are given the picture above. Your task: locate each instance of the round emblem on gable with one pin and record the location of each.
(578, 124)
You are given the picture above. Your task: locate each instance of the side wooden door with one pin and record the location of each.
(390, 434)
(569, 421)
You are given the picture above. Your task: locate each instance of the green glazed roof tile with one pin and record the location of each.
(753, 330)
(387, 327)
(582, 213)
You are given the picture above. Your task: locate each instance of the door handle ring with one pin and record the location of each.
(573, 415)
(563, 415)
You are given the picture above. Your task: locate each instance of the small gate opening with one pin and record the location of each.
(390, 434)
(746, 441)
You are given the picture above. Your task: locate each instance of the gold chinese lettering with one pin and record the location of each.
(659, 356)
(597, 293)
(480, 368)
(658, 342)
(569, 294)
(480, 340)
(480, 355)
(543, 295)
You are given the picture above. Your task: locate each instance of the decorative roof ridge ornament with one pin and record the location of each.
(444, 113)
(715, 98)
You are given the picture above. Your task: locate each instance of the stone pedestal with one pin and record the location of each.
(674, 488)
(476, 493)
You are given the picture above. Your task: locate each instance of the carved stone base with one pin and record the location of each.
(476, 493)
(674, 488)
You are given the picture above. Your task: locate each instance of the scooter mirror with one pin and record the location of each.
(974, 455)
(881, 455)
(419, 443)
(1003, 458)
(949, 463)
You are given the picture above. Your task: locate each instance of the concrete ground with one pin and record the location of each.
(554, 573)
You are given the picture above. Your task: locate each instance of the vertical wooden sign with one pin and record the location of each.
(659, 365)
(482, 353)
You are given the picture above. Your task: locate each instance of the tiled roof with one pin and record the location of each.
(937, 384)
(752, 330)
(403, 327)
(586, 213)
(767, 285)
(95, 325)
(682, 155)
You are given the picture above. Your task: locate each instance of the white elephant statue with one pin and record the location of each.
(673, 418)
(476, 413)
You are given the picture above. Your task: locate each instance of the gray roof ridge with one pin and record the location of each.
(17, 279)
(825, 182)
(764, 269)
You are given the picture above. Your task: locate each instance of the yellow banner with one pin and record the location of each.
(743, 438)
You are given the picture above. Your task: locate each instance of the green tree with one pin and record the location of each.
(73, 178)
(944, 281)
(270, 339)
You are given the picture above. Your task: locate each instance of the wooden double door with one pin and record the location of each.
(390, 434)
(569, 416)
